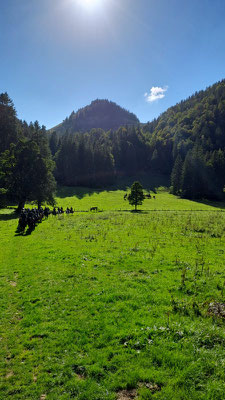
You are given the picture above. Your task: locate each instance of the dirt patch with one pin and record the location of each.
(127, 394)
(153, 387)
(79, 371)
(132, 394)
(80, 377)
(217, 309)
(43, 397)
(17, 317)
(8, 358)
(13, 283)
(9, 375)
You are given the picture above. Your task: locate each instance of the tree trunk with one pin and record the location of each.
(20, 206)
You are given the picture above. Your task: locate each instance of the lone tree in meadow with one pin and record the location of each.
(136, 195)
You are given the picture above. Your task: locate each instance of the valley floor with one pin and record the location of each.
(114, 305)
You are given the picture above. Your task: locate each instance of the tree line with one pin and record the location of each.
(186, 144)
(97, 158)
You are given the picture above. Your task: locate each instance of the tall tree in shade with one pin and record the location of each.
(9, 125)
(176, 175)
(195, 176)
(26, 174)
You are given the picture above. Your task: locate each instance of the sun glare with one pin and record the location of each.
(90, 4)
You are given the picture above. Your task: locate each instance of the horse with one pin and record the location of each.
(94, 209)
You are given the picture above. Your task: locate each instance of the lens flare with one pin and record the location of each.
(90, 4)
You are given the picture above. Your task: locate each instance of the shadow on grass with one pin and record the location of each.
(134, 212)
(24, 232)
(216, 204)
(8, 217)
(149, 183)
(79, 191)
(138, 211)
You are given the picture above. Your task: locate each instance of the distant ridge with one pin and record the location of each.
(102, 114)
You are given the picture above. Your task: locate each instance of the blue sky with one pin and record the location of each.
(146, 55)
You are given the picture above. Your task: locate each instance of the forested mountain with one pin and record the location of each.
(198, 120)
(187, 142)
(191, 136)
(102, 114)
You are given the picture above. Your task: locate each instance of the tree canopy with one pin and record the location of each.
(9, 125)
(136, 195)
(26, 165)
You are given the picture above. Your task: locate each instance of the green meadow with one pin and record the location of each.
(114, 305)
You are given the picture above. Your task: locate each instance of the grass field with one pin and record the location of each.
(114, 305)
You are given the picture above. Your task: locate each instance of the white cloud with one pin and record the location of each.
(155, 93)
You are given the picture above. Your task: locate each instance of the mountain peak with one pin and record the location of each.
(101, 113)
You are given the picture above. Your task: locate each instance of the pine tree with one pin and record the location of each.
(187, 177)
(53, 143)
(195, 176)
(176, 175)
(9, 125)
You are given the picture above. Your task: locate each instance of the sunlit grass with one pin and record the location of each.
(93, 303)
(84, 198)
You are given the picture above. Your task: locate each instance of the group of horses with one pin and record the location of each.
(59, 210)
(30, 217)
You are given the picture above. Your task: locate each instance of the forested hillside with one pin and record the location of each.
(187, 142)
(97, 158)
(102, 114)
(190, 138)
